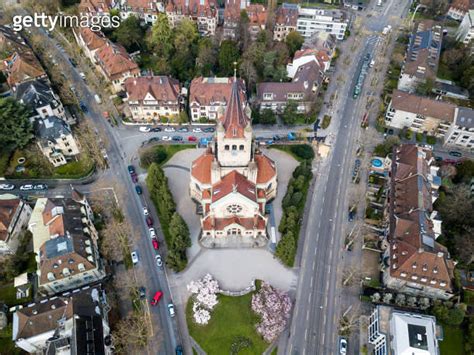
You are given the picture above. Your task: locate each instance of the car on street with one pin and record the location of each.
(158, 261)
(152, 232)
(145, 211)
(454, 153)
(138, 189)
(142, 292)
(276, 137)
(156, 298)
(144, 129)
(192, 139)
(131, 169)
(342, 346)
(134, 256)
(7, 187)
(183, 129)
(154, 139)
(179, 350)
(26, 187)
(83, 107)
(209, 129)
(155, 129)
(82, 75)
(134, 177)
(155, 244)
(166, 138)
(149, 221)
(197, 130)
(40, 187)
(169, 129)
(171, 310)
(73, 62)
(177, 138)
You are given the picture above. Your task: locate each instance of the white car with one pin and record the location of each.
(26, 187)
(145, 211)
(152, 232)
(197, 130)
(158, 261)
(342, 346)
(144, 129)
(7, 187)
(134, 255)
(171, 309)
(169, 129)
(166, 138)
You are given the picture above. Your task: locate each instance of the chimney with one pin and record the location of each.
(440, 254)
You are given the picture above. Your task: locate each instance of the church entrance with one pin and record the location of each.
(233, 231)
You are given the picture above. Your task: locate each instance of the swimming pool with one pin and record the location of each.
(377, 163)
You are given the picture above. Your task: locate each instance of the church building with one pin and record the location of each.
(232, 180)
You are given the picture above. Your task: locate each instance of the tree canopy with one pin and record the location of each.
(15, 126)
(294, 41)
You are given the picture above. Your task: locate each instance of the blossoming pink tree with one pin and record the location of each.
(273, 306)
(204, 297)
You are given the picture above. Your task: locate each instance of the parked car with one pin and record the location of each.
(453, 153)
(134, 177)
(131, 169)
(276, 137)
(155, 129)
(166, 138)
(144, 129)
(7, 187)
(197, 130)
(209, 129)
(155, 244)
(83, 107)
(26, 187)
(149, 221)
(171, 310)
(145, 211)
(154, 139)
(183, 129)
(179, 350)
(156, 298)
(342, 346)
(82, 75)
(159, 262)
(170, 129)
(152, 232)
(177, 138)
(40, 187)
(134, 255)
(142, 292)
(138, 189)
(192, 139)
(73, 62)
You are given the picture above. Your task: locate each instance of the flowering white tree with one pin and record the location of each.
(273, 306)
(205, 298)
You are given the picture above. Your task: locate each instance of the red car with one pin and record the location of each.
(192, 139)
(155, 243)
(149, 221)
(134, 177)
(156, 298)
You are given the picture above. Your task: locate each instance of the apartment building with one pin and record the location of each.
(14, 217)
(72, 323)
(422, 58)
(257, 14)
(465, 33)
(208, 97)
(151, 98)
(95, 7)
(414, 263)
(302, 90)
(305, 56)
(203, 12)
(311, 20)
(393, 332)
(286, 18)
(89, 41)
(420, 114)
(232, 10)
(11, 41)
(459, 8)
(461, 132)
(146, 10)
(21, 67)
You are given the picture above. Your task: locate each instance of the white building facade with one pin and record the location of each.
(311, 20)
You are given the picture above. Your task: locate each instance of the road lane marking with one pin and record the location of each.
(314, 264)
(312, 279)
(324, 320)
(306, 334)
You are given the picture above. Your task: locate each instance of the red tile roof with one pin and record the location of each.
(23, 66)
(93, 40)
(235, 120)
(234, 182)
(207, 91)
(201, 168)
(266, 169)
(211, 223)
(7, 211)
(286, 17)
(257, 14)
(93, 6)
(206, 8)
(115, 61)
(163, 88)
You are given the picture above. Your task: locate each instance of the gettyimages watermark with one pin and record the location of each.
(94, 22)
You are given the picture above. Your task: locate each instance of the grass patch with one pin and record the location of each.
(326, 121)
(468, 297)
(300, 152)
(231, 318)
(7, 346)
(4, 160)
(75, 169)
(161, 154)
(275, 351)
(453, 343)
(444, 72)
(8, 296)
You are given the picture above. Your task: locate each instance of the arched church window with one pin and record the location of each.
(241, 147)
(234, 147)
(226, 147)
(234, 208)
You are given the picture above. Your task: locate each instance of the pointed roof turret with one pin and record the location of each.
(235, 119)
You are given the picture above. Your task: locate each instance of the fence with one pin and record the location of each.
(246, 290)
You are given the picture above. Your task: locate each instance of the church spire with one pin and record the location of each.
(235, 119)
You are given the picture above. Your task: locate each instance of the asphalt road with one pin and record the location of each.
(118, 161)
(314, 326)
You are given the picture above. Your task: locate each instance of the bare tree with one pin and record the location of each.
(131, 333)
(90, 141)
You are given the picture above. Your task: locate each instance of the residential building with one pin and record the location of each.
(65, 244)
(459, 8)
(414, 263)
(465, 32)
(322, 41)
(11, 41)
(40, 98)
(420, 114)
(257, 19)
(203, 12)
(89, 41)
(449, 89)
(461, 132)
(54, 138)
(302, 90)
(14, 217)
(72, 323)
(311, 20)
(146, 10)
(151, 98)
(422, 58)
(208, 97)
(305, 56)
(95, 7)
(231, 181)
(286, 17)
(392, 332)
(116, 65)
(21, 67)
(232, 11)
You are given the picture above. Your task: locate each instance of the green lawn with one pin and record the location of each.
(453, 343)
(468, 297)
(7, 346)
(8, 296)
(161, 153)
(294, 150)
(172, 149)
(75, 169)
(231, 318)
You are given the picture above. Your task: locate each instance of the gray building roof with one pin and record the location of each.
(51, 128)
(36, 94)
(465, 117)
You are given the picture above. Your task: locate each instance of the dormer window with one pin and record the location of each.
(425, 267)
(414, 265)
(435, 270)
